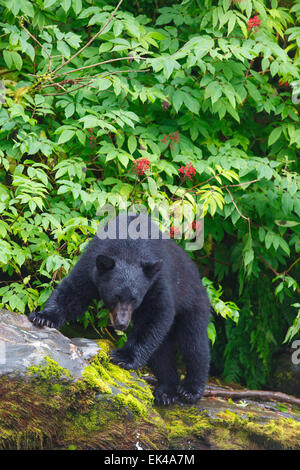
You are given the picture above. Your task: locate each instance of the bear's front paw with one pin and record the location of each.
(43, 318)
(165, 395)
(189, 393)
(123, 359)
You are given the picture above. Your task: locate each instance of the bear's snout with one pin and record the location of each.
(121, 315)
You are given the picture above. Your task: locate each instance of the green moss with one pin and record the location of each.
(134, 405)
(105, 426)
(51, 370)
(105, 345)
(133, 394)
(102, 409)
(74, 417)
(111, 408)
(94, 380)
(228, 430)
(281, 433)
(186, 428)
(29, 419)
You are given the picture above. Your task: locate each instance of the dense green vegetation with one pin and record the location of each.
(209, 86)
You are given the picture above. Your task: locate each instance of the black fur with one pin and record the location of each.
(170, 306)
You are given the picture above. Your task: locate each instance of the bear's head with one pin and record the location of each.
(122, 285)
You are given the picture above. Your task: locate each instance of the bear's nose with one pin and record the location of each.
(121, 325)
(121, 315)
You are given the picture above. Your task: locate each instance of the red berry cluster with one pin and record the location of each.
(253, 23)
(172, 138)
(188, 171)
(165, 105)
(174, 231)
(175, 136)
(92, 137)
(197, 226)
(282, 83)
(141, 166)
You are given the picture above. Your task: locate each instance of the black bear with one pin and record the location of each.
(154, 281)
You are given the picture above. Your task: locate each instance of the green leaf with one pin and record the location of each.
(229, 94)
(13, 5)
(77, 6)
(123, 159)
(248, 257)
(231, 23)
(69, 110)
(211, 331)
(132, 144)
(169, 66)
(269, 239)
(103, 83)
(81, 137)
(65, 136)
(66, 4)
(63, 48)
(178, 100)
(284, 246)
(152, 186)
(293, 330)
(253, 91)
(274, 136)
(287, 203)
(17, 59)
(49, 3)
(27, 8)
(7, 56)
(191, 103)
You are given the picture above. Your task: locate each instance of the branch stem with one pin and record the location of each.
(91, 40)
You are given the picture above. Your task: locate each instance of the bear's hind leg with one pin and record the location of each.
(194, 346)
(163, 365)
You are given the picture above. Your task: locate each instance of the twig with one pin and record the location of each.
(292, 265)
(239, 184)
(283, 274)
(95, 329)
(69, 91)
(92, 81)
(99, 63)
(221, 187)
(240, 394)
(254, 394)
(108, 333)
(269, 266)
(35, 39)
(248, 71)
(92, 39)
(246, 218)
(204, 182)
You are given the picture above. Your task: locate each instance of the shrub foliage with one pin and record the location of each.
(164, 101)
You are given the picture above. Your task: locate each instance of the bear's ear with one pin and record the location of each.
(104, 263)
(151, 268)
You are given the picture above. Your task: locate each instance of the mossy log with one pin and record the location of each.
(105, 407)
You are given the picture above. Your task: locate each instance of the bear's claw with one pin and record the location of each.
(188, 396)
(120, 360)
(164, 397)
(39, 321)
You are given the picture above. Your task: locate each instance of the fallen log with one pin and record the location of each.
(241, 394)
